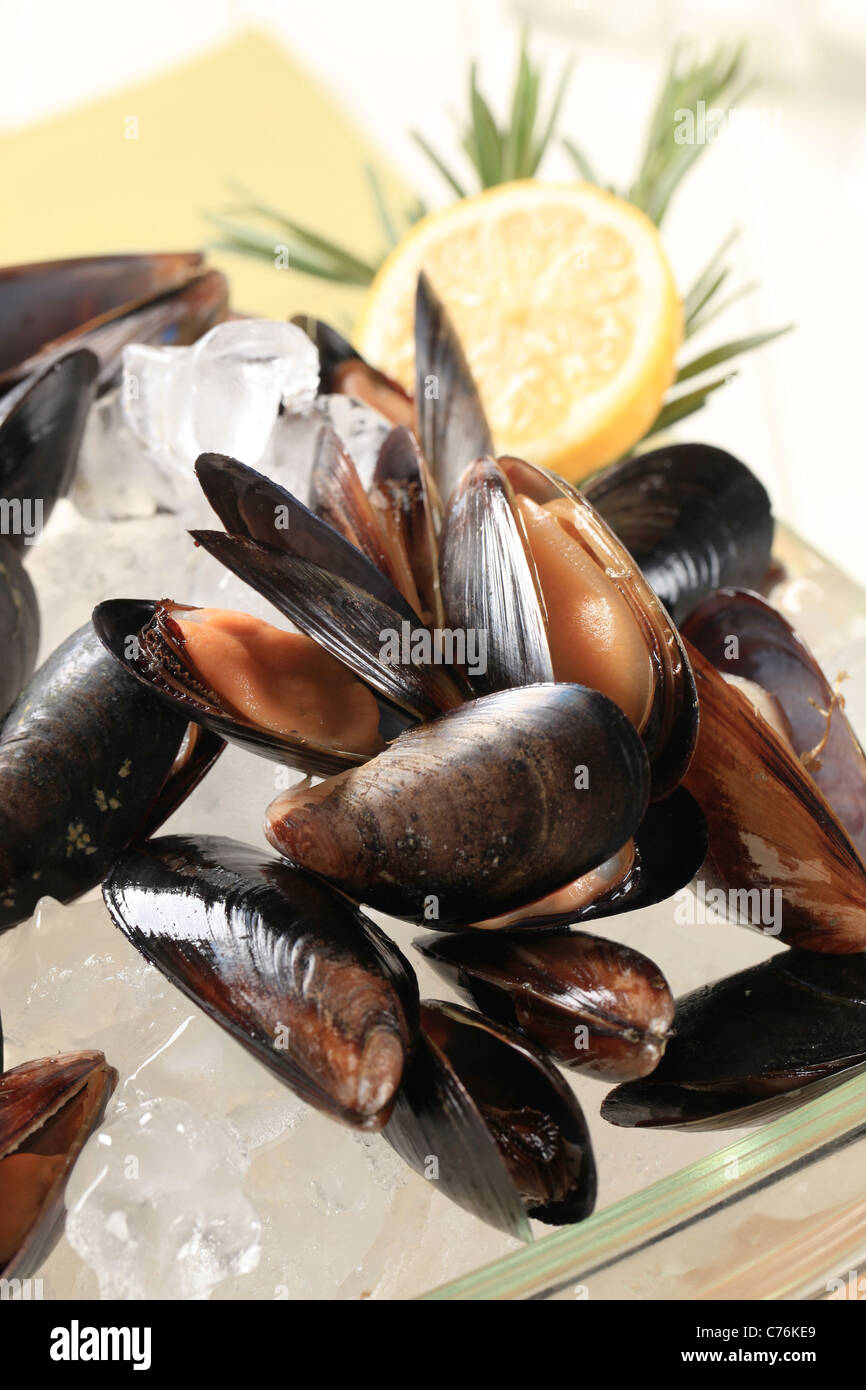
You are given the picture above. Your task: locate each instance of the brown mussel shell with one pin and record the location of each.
(88, 762)
(296, 974)
(504, 1130)
(754, 1044)
(48, 1110)
(695, 519)
(477, 812)
(592, 1005)
(770, 827)
(766, 650)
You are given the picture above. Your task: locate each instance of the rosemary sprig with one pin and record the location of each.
(515, 149)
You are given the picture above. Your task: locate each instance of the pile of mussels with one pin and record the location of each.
(641, 713)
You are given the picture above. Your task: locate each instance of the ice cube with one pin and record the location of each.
(155, 1205)
(115, 477)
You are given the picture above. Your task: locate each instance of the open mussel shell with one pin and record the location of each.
(48, 1110)
(752, 1045)
(746, 638)
(120, 623)
(408, 509)
(325, 586)
(41, 425)
(88, 762)
(342, 369)
(593, 1005)
(295, 973)
(489, 581)
(669, 726)
(19, 626)
(452, 427)
(492, 1121)
(103, 303)
(694, 517)
(477, 812)
(771, 830)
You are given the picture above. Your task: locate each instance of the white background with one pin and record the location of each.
(796, 183)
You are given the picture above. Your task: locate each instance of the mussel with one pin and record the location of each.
(41, 424)
(88, 761)
(48, 1110)
(19, 626)
(343, 370)
(592, 1005)
(776, 770)
(484, 1115)
(300, 977)
(694, 518)
(103, 303)
(478, 812)
(754, 1044)
(273, 692)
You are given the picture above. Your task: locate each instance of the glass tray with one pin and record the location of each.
(249, 1194)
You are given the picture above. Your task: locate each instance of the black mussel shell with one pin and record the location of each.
(343, 369)
(118, 624)
(477, 812)
(744, 636)
(486, 1116)
(103, 303)
(19, 626)
(694, 517)
(88, 761)
(670, 845)
(324, 585)
(299, 976)
(404, 497)
(592, 1005)
(48, 1110)
(452, 426)
(41, 424)
(754, 1044)
(489, 583)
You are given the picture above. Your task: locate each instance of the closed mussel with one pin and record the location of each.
(593, 1005)
(753, 1044)
(88, 761)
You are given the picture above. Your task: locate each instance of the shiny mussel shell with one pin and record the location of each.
(694, 517)
(301, 978)
(751, 1045)
(88, 761)
(19, 626)
(504, 1130)
(592, 1005)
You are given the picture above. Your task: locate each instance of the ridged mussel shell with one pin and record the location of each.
(592, 1005)
(296, 974)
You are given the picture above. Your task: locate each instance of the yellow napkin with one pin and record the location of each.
(245, 111)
